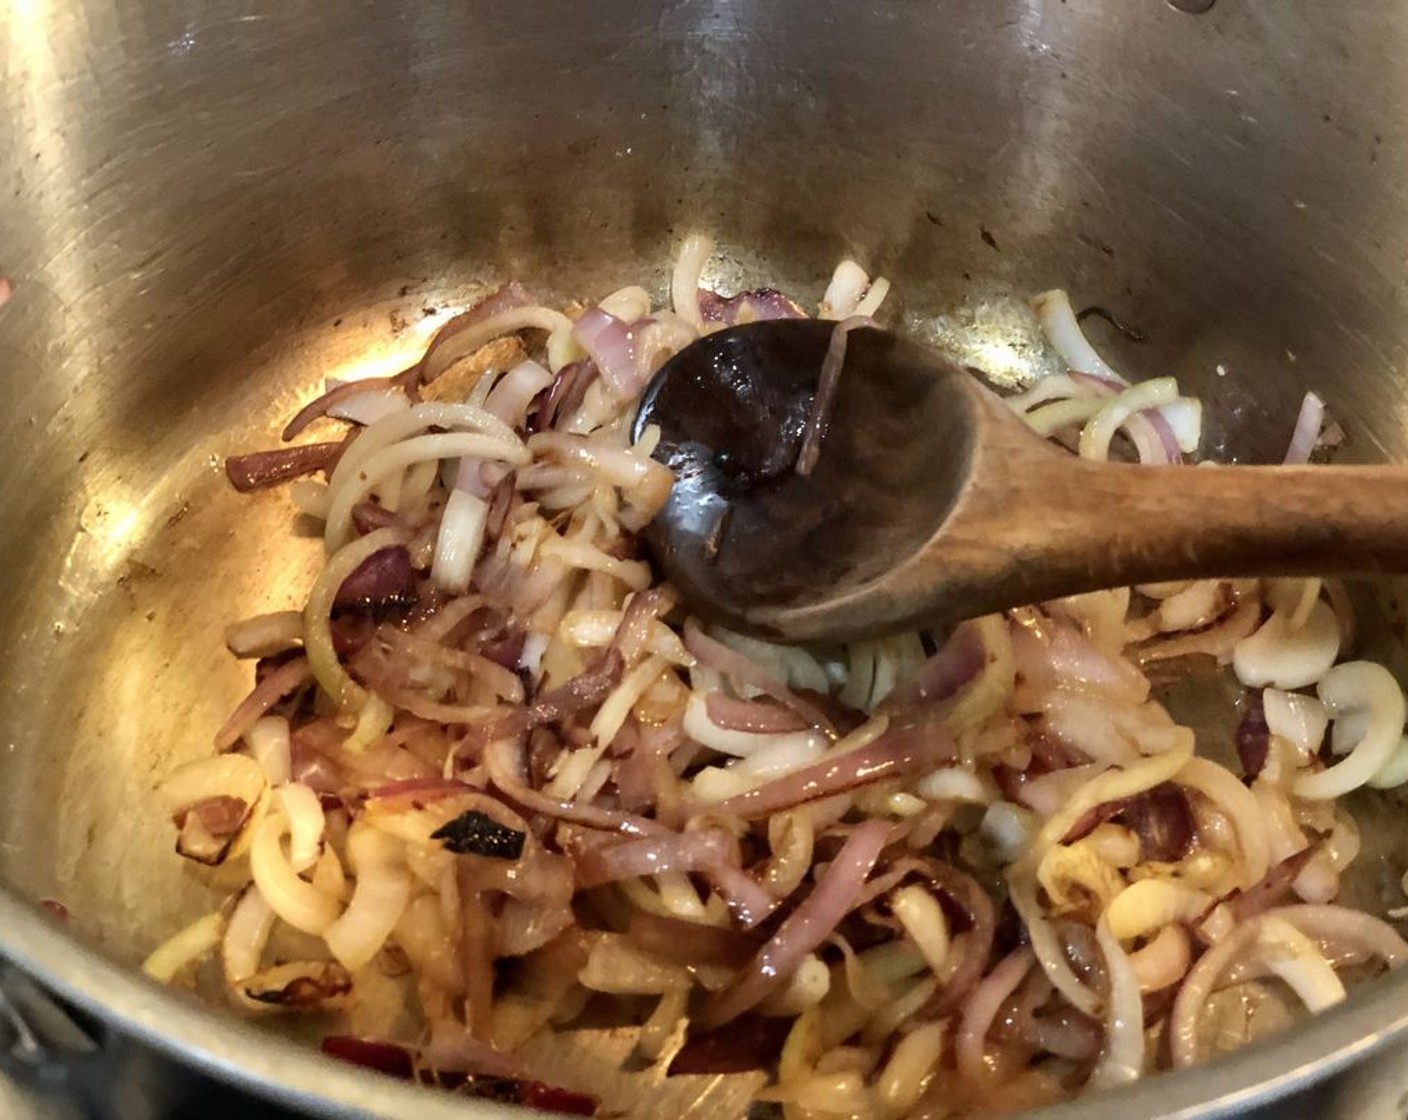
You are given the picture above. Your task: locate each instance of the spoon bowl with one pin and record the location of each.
(930, 501)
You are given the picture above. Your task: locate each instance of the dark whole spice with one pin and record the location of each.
(478, 834)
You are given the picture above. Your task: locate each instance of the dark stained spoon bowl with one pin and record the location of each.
(929, 501)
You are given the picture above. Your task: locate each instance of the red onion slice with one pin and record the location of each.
(564, 396)
(819, 416)
(981, 1009)
(383, 579)
(721, 658)
(506, 774)
(1163, 821)
(753, 716)
(384, 1057)
(611, 344)
(655, 855)
(748, 901)
(895, 754)
(261, 469)
(808, 926)
(441, 352)
(1271, 888)
(959, 661)
(1253, 735)
(750, 307)
(690, 943)
(1168, 439)
(268, 692)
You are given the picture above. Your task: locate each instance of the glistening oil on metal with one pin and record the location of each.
(207, 208)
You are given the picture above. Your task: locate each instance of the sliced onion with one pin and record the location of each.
(383, 888)
(1148, 905)
(1096, 435)
(1296, 960)
(306, 824)
(268, 692)
(611, 345)
(185, 948)
(292, 898)
(1234, 799)
(1286, 658)
(345, 693)
(226, 775)
(755, 716)
(684, 282)
(265, 634)
(1350, 687)
(655, 855)
(464, 334)
(819, 415)
(1122, 1059)
(1307, 429)
(748, 901)
(845, 291)
(1343, 926)
(459, 541)
(754, 306)
(808, 926)
(979, 1011)
(511, 397)
(369, 405)
(745, 673)
(270, 746)
(895, 754)
(703, 730)
(1062, 329)
(1300, 720)
(262, 469)
(246, 934)
(1163, 961)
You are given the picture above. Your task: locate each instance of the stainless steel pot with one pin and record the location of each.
(207, 206)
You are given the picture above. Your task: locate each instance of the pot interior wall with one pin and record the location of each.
(209, 208)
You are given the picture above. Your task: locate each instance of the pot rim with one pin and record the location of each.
(237, 1052)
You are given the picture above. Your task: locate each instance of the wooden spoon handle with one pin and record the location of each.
(1050, 525)
(1104, 525)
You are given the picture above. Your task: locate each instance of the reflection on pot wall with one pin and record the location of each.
(208, 206)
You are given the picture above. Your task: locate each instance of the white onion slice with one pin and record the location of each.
(1358, 686)
(684, 282)
(382, 891)
(1277, 655)
(1300, 720)
(292, 898)
(224, 775)
(1151, 904)
(265, 634)
(844, 292)
(268, 742)
(184, 948)
(1307, 430)
(1185, 418)
(459, 541)
(1096, 435)
(366, 408)
(1295, 959)
(1122, 1059)
(699, 727)
(510, 397)
(1062, 329)
(306, 823)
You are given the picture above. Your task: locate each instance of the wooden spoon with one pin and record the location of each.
(930, 501)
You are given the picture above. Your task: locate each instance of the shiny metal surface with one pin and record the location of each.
(208, 206)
